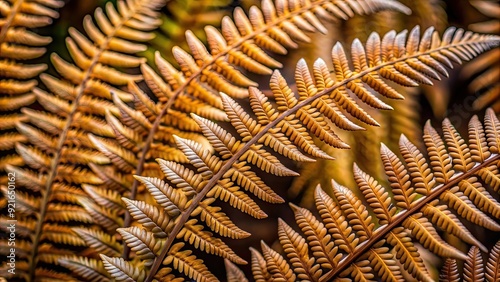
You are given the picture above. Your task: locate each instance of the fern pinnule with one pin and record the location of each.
(121, 270)
(277, 267)
(278, 127)
(297, 252)
(474, 268)
(234, 274)
(492, 266)
(346, 237)
(91, 268)
(449, 272)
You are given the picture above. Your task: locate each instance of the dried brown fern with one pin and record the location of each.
(404, 119)
(146, 131)
(187, 197)
(345, 242)
(17, 44)
(58, 149)
(203, 74)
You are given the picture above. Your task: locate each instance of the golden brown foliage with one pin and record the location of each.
(188, 196)
(145, 131)
(58, 148)
(17, 44)
(345, 242)
(137, 164)
(474, 267)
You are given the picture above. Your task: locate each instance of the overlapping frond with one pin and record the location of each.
(493, 264)
(288, 129)
(18, 45)
(144, 131)
(345, 243)
(58, 148)
(242, 44)
(204, 72)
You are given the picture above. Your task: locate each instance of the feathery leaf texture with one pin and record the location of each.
(145, 131)
(203, 74)
(18, 44)
(234, 274)
(404, 119)
(345, 243)
(58, 148)
(227, 173)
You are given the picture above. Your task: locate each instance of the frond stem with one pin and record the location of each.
(381, 232)
(187, 212)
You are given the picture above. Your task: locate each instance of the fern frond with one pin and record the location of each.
(204, 72)
(349, 228)
(492, 269)
(194, 234)
(326, 254)
(277, 266)
(474, 269)
(259, 269)
(140, 242)
(189, 264)
(234, 274)
(99, 241)
(122, 270)
(449, 272)
(297, 249)
(57, 146)
(193, 88)
(396, 58)
(89, 269)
